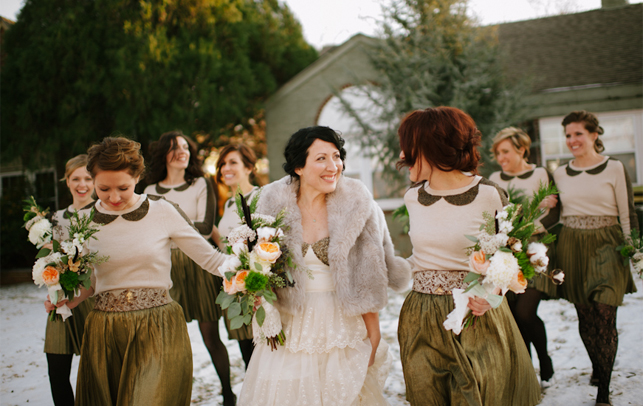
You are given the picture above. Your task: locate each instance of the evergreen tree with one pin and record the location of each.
(432, 54)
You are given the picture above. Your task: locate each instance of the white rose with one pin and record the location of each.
(40, 233)
(263, 267)
(268, 233)
(239, 247)
(230, 265)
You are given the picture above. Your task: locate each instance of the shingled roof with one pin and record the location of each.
(598, 47)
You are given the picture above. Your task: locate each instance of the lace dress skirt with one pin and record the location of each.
(325, 359)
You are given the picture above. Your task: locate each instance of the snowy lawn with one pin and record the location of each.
(24, 367)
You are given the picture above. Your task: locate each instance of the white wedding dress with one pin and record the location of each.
(325, 359)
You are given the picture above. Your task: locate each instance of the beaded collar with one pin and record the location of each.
(134, 215)
(161, 190)
(594, 171)
(320, 248)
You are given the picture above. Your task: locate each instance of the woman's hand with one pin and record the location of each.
(50, 306)
(478, 306)
(549, 202)
(49, 246)
(372, 321)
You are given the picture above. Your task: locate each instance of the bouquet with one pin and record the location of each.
(503, 258)
(633, 250)
(36, 222)
(67, 265)
(259, 264)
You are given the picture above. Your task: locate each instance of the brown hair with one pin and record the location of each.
(79, 161)
(519, 139)
(247, 156)
(445, 136)
(116, 154)
(158, 152)
(590, 122)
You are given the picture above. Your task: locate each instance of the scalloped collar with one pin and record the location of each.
(466, 196)
(521, 175)
(163, 190)
(592, 170)
(136, 213)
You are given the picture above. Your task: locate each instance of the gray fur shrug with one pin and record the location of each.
(360, 253)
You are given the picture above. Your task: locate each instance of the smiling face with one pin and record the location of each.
(579, 141)
(322, 169)
(115, 189)
(509, 158)
(233, 170)
(81, 186)
(179, 156)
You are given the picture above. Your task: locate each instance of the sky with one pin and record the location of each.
(331, 22)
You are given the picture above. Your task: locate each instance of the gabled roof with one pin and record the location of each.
(597, 47)
(327, 57)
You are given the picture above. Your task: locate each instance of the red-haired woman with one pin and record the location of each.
(597, 209)
(487, 364)
(175, 173)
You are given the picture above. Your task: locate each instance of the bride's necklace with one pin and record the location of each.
(310, 214)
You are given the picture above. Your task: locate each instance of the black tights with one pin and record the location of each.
(59, 368)
(246, 347)
(532, 328)
(219, 354)
(597, 328)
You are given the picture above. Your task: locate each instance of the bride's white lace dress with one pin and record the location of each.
(325, 359)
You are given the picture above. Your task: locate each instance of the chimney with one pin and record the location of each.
(613, 3)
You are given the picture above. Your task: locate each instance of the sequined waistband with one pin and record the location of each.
(589, 222)
(132, 299)
(438, 282)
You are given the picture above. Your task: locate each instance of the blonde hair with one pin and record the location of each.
(116, 154)
(519, 139)
(79, 161)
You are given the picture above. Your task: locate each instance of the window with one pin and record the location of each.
(623, 140)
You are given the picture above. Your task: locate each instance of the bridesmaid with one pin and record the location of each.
(235, 165)
(175, 174)
(137, 349)
(487, 364)
(597, 209)
(511, 150)
(64, 339)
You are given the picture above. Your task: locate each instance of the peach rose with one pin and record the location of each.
(478, 262)
(240, 280)
(229, 287)
(519, 284)
(50, 275)
(268, 251)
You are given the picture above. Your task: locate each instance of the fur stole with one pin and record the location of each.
(360, 252)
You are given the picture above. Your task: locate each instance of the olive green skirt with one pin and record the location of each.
(487, 364)
(140, 357)
(594, 269)
(66, 337)
(194, 289)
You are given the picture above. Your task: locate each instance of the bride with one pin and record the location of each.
(344, 259)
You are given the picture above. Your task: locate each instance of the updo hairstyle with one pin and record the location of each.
(296, 150)
(590, 122)
(248, 157)
(445, 136)
(79, 161)
(158, 157)
(116, 154)
(519, 139)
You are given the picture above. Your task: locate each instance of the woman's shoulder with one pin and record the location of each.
(492, 190)
(495, 176)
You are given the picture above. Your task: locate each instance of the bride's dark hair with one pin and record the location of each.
(296, 150)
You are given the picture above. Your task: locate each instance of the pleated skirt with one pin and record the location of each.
(594, 269)
(66, 337)
(194, 289)
(487, 364)
(140, 357)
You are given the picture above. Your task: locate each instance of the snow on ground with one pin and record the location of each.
(24, 367)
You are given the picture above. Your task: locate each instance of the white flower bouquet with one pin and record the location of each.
(68, 265)
(259, 264)
(503, 258)
(36, 222)
(633, 250)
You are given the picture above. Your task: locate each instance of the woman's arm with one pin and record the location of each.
(372, 321)
(206, 206)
